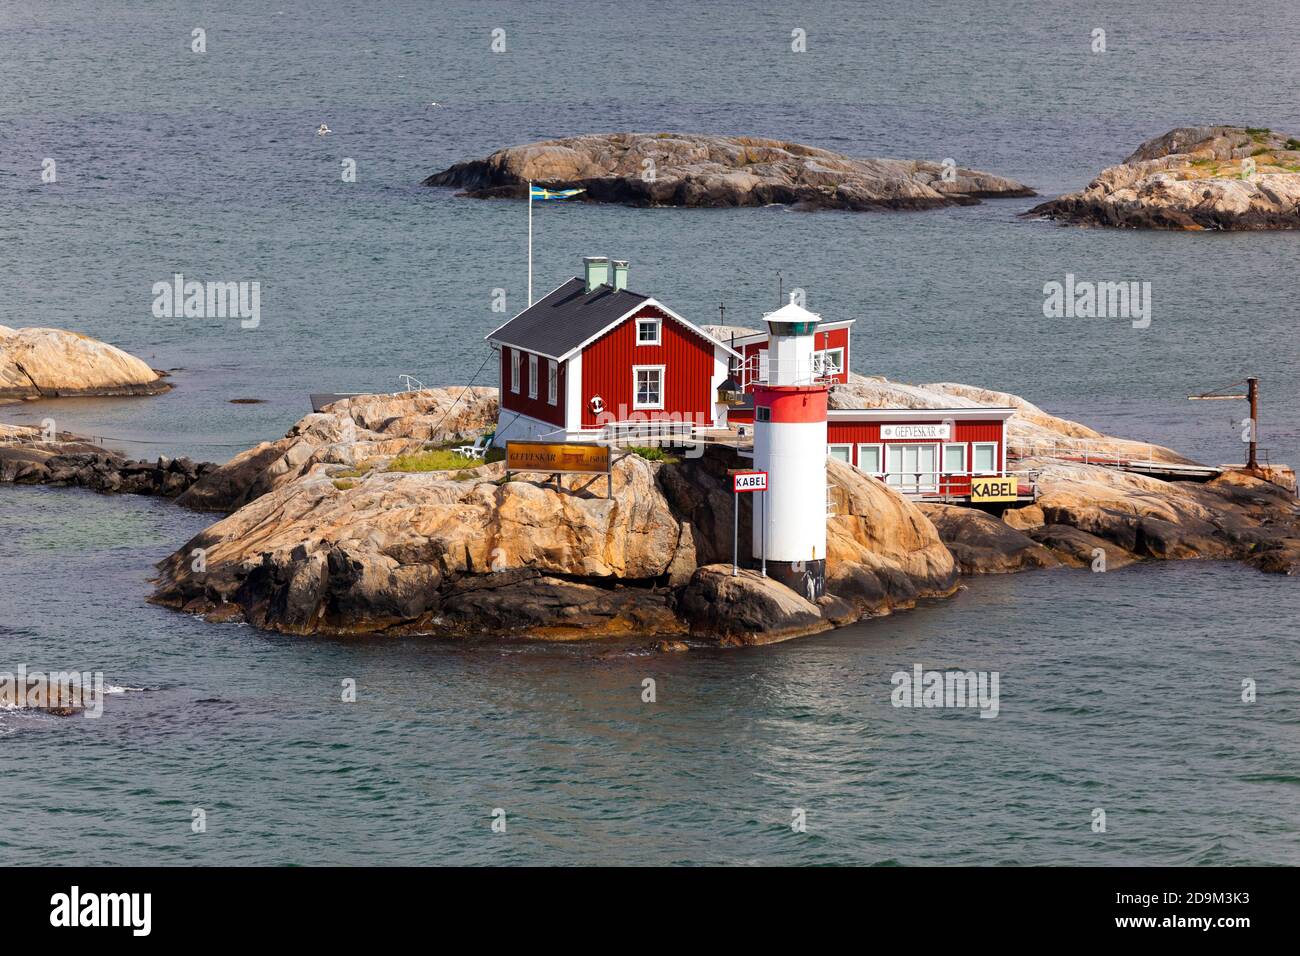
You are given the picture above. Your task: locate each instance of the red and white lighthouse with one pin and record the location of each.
(790, 445)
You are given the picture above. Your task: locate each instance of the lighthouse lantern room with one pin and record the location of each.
(790, 445)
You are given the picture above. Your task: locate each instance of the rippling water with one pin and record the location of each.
(1120, 691)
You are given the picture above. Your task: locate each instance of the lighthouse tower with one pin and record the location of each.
(790, 445)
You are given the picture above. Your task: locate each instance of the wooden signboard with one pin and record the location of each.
(993, 489)
(558, 458)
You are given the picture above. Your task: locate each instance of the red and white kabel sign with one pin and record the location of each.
(749, 481)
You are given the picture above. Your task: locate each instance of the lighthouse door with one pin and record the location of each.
(912, 468)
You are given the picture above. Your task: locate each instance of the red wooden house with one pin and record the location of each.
(592, 354)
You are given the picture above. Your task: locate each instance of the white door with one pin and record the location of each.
(912, 467)
(762, 366)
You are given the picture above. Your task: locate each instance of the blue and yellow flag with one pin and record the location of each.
(539, 192)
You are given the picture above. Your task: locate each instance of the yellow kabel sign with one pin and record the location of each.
(993, 489)
(557, 457)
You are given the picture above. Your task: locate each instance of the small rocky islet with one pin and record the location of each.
(40, 363)
(689, 169)
(1194, 178)
(1224, 178)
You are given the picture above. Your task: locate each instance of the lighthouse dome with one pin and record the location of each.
(792, 319)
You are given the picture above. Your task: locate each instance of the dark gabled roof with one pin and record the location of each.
(567, 317)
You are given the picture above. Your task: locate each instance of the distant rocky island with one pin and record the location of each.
(1194, 178)
(52, 363)
(681, 169)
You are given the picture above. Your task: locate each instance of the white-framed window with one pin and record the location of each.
(514, 371)
(647, 386)
(762, 414)
(871, 459)
(985, 457)
(911, 467)
(828, 362)
(842, 453)
(532, 376)
(954, 458)
(648, 331)
(552, 382)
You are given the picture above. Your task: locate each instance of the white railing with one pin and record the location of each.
(753, 372)
(1086, 450)
(412, 384)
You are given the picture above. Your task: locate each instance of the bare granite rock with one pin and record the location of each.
(52, 363)
(349, 433)
(698, 170)
(983, 544)
(1194, 178)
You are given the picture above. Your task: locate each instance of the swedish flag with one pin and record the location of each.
(539, 192)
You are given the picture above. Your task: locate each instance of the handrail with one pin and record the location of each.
(409, 379)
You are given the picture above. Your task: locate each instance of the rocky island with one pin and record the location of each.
(682, 169)
(339, 529)
(1194, 178)
(51, 363)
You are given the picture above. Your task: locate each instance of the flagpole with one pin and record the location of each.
(530, 242)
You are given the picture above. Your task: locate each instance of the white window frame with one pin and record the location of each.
(880, 457)
(819, 361)
(552, 382)
(848, 449)
(908, 482)
(532, 376)
(984, 444)
(658, 329)
(636, 401)
(943, 454)
(514, 371)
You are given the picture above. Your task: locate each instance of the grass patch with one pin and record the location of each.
(360, 471)
(1293, 143)
(438, 459)
(654, 454)
(1259, 152)
(344, 485)
(1258, 131)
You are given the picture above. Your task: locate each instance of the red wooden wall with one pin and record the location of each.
(688, 371)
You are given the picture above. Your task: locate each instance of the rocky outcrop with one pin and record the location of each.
(1234, 517)
(27, 459)
(984, 544)
(1194, 178)
(681, 169)
(746, 608)
(470, 553)
(350, 433)
(52, 363)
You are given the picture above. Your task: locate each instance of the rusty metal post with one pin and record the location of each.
(1252, 393)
